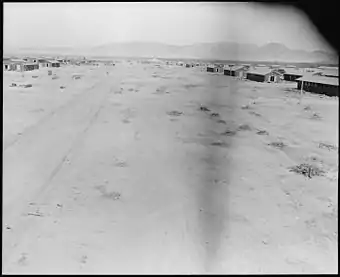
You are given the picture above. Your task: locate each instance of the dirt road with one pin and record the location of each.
(130, 176)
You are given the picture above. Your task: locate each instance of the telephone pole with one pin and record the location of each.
(301, 87)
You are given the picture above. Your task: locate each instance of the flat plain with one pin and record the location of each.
(145, 168)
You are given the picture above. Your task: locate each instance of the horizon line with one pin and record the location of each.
(156, 42)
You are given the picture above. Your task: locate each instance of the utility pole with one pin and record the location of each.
(301, 91)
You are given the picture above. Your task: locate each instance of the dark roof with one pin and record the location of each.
(260, 71)
(320, 80)
(234, 68)
(292, 71)
(16, 61)
(237, 67)
(28, 63)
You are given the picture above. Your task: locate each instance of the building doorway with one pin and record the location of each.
(272, 78)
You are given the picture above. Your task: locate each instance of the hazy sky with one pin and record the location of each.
(91, 24)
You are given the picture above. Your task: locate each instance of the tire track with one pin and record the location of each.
(59, 109)
(12, 241)
(76, 142)
(32, 162)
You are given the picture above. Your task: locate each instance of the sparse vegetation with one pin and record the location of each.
(204, 108)
(229, 133)
(244, 127)
(262, 132)
(255, 113)
(307, 108)
(174, 150)
(307, 170)
(220, 144)
(327, 146)
(189, 86)
(221, 121)
(109, 195)
(278, 145)
(26, 86)
(174, 113)
(316, 116)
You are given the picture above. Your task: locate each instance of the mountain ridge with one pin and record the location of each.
(205, 50)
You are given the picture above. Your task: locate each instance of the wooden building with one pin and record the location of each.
(54, 63)
(236, 71)
(264, 75)
(6, 62)
(319, 84)
(30, 66)
(219, 68)
(63, 61)
(211, 68)
(15, 65)
(19, 65)
(44, 63)
(291, 74)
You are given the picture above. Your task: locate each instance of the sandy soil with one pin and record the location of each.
(123, 173)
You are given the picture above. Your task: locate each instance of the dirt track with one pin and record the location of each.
(112, 182)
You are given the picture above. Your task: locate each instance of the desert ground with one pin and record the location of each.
(138, 168)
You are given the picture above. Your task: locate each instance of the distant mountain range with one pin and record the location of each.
(271, 52)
